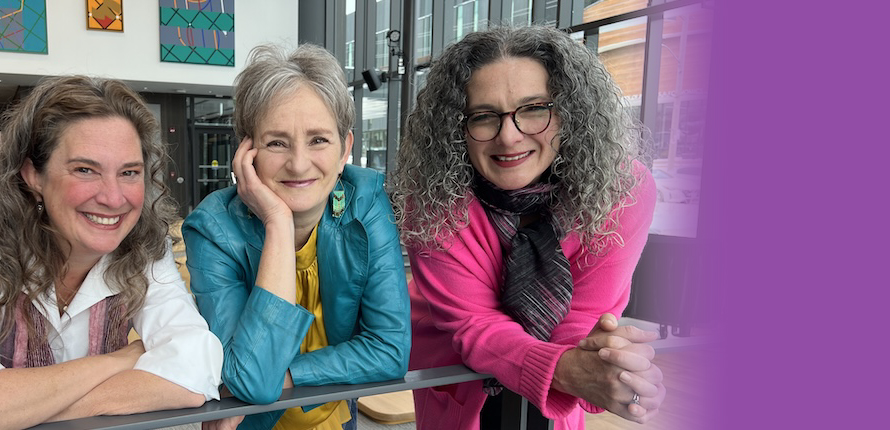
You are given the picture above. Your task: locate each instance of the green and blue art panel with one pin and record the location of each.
(198, 32)
(23, 26)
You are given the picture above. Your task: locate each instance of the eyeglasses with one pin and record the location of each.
(529, 119)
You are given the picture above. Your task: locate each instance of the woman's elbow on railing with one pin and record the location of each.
(254, 386)
(256, 395)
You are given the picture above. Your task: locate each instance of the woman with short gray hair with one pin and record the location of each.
(298, 267)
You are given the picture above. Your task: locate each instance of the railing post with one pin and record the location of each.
(517, 413)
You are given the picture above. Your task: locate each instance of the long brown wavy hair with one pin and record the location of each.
(29, 251)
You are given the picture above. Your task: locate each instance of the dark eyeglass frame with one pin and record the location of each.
(548, 105)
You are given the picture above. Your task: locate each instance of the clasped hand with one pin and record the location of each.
(609, 366)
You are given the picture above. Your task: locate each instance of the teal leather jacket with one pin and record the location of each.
(364, 296)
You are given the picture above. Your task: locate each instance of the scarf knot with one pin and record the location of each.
(536, 291)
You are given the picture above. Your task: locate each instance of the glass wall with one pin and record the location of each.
(679, 52)
(518, 12)
(372, 54)
(374, 103)
(469, 16)
(213, 144)
(600, 9)
(678, 134)
(621, 48)
(349, 30)
(423, 42)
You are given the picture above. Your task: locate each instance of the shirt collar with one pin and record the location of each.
(93, 290)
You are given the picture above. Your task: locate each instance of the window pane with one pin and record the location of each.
(469, 16)
(621, 48)
(518, 12)
(423, 39)
(678, 136)
(551, 10)
(373, 112)
(374, 128)
(349, 22)
(599, 9)
(419, 82)
(381, 51)
(212, 111)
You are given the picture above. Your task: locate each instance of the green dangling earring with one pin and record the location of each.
(338, 199)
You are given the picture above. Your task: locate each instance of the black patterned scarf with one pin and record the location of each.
(537, 283)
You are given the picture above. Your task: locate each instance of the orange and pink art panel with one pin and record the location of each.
(105, 15)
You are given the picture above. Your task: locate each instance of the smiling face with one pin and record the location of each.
(512, 160)
(300, 152)
(92, 186)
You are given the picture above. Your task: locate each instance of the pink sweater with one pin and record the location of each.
(456, 316)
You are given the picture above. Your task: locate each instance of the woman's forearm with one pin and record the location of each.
(130, 392)
(34, 395)
(277, 271)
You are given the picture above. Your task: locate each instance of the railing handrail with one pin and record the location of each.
(290, 398)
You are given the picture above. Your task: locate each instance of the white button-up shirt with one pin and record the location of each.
(179, 346)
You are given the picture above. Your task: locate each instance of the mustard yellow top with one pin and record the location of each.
(329, 416)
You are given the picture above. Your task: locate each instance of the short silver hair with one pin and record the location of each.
(272, 72)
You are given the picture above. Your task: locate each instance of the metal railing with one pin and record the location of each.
(302, 396)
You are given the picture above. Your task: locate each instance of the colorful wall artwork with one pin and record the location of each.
(23, 26)
(105, 15)
(198, 31)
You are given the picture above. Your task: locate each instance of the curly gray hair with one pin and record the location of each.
(432, 184)
(272, 73)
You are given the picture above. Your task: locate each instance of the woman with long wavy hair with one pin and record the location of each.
(525, 210)
(85, 255)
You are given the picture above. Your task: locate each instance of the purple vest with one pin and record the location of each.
(22, 349)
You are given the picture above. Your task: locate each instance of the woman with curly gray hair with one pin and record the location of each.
(525, 211)
(85, 255)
